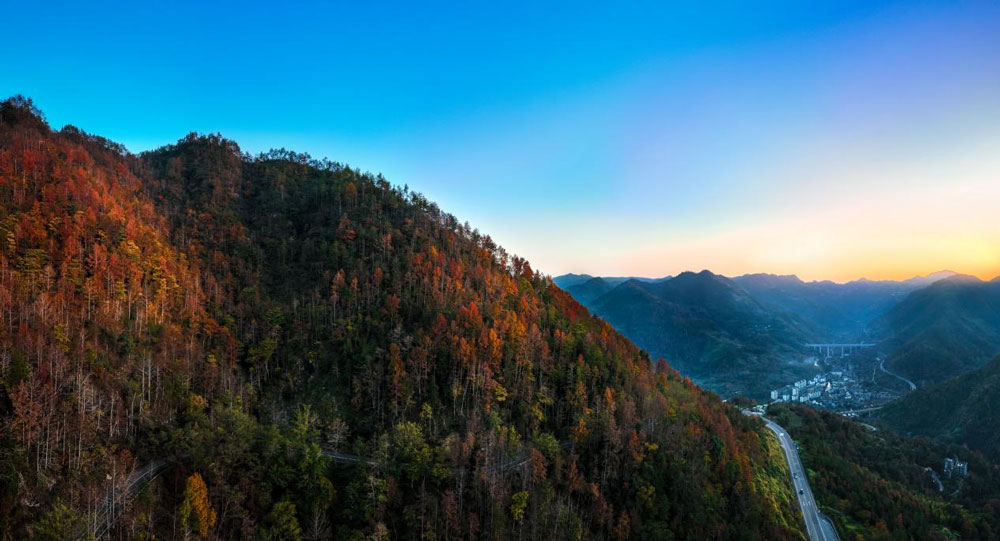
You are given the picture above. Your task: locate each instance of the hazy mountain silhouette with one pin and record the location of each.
(707, 326)
(842, 311)
(720, 330)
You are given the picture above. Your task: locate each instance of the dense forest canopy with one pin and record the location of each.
(947, 329)
(961, 410)
(249, 318)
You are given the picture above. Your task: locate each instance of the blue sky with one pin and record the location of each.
(832, 140)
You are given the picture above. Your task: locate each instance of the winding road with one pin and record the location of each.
(913, 386)
(818, 526)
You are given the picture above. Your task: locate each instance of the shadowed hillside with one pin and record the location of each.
(709, 328)
(589, 291)
(842, 311)
(960, 410)
(943, 330)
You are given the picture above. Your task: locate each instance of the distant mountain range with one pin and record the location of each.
(745, 333)
(840, 311)
(586, 288)
(708, 326)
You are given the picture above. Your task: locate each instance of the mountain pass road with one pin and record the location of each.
(818, 527)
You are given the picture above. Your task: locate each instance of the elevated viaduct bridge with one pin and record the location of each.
(845, 348)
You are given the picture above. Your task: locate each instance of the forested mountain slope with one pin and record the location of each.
(943, 330)
(710, 327)
(961, 410)
(236, 314)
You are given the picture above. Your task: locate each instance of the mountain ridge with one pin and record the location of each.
(565, 280)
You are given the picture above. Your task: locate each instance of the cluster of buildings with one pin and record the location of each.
(831, 390)
(849, 387)
(953, 466)
(841, 389)
(803, 390)
(837, 390)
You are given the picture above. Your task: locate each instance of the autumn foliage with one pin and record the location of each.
(196, 511)
(240, 314)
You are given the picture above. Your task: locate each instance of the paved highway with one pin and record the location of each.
(818, 527)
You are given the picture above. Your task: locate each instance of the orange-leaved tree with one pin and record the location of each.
(196, 503)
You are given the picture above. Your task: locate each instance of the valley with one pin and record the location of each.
(843, 367)
(848, 347)
(369, 271)
(845, 386)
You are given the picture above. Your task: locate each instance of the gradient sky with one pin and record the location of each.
(829, 140)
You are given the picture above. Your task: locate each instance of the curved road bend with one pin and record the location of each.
(118, 499)
(818, 527)
(881, 366)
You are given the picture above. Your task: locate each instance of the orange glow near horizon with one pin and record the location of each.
(814, 252)
(963, 256)
(876, 216)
